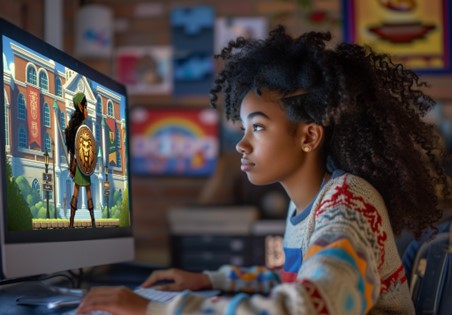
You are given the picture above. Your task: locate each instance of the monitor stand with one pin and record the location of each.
(32, 297)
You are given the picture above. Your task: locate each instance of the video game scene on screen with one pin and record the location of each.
(65, 142)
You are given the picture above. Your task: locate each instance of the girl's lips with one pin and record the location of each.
(246, 165)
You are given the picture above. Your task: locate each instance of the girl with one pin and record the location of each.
(341, 130)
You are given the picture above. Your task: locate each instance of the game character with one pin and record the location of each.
(81, 155)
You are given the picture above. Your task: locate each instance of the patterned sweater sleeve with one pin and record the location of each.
(339, 274)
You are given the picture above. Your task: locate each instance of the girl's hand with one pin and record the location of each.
(181, 280)
(116, 300)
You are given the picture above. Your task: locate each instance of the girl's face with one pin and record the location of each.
(270, 146)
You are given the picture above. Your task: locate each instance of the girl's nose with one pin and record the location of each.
(241, 146)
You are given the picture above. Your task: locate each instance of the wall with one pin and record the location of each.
(27, 14)
(136, 25)
(152, 197)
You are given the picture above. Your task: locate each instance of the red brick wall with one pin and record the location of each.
(27, 14)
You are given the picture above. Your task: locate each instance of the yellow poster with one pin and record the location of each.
(415, 32)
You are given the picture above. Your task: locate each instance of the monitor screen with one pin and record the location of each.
(64, 198)
(174, 141)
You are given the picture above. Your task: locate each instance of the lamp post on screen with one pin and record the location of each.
(54, 184)
(46, 163)
(107, 190)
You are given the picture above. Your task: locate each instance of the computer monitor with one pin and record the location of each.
(40, 84)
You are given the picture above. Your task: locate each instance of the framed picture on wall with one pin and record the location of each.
(192, 36)
(174, 141)
(145, 70)
(415, 32)
(229, 28)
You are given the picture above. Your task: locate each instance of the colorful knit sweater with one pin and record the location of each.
(340, 258)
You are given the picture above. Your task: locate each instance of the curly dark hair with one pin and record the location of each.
(70, 132)
(371, 110)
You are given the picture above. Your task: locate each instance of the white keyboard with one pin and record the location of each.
(165, 296)
(156, 295)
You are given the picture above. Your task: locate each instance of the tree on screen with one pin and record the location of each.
(19, 214)
(124, 215)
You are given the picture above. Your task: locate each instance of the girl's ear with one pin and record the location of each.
(311, 136)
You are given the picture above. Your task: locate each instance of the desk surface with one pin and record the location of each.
(10, 293)
(128, 274)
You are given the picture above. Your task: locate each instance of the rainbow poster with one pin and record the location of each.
(174, 141)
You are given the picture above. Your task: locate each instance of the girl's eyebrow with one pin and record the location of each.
(254, 114)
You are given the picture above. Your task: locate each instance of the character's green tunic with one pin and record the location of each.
(81, 179)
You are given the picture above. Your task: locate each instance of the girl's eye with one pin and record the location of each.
(257, 127)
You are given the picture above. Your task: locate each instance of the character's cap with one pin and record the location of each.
(78, 99)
